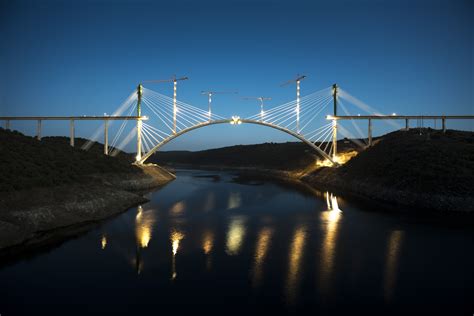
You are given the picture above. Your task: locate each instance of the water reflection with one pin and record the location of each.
(235, 236)
(261, 250)
(235, 200)
(210, 201)
(391, 263)
(176, 236)
(104, 241)
(294, 266)
(178, 208)
(330, 223)
(144, 221)
(207, 245)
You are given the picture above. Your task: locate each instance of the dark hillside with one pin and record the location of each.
(281, 156)
(428, 162)
(26, 162)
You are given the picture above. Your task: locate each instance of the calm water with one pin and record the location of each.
(209, 244)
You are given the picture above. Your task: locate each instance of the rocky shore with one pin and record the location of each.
(330, 179)
(30, 216)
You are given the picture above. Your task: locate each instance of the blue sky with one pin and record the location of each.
(86, 57)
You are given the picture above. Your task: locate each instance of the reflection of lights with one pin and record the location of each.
(235, 236)
(391, 265)
(261, 250)
(143, 226)
(331, 201)
(296, 253)
(104, 242)
(207, 243)
(234, 200)
(176, 236)
(330, 220)
(178, 208)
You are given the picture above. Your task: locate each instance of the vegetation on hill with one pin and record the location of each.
(417, 161)
(26, 162)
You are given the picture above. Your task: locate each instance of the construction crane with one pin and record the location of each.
(297, 80)
(209, 96)
(175, 86)
(261, 99)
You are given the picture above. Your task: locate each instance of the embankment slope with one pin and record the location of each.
(47, 184)
(420, 168)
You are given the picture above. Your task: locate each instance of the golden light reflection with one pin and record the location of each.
(144, 221)
(104, 241)
(296, 254)
(207, 242)
(235, 200)
(137, 262)
(261, 250)
(235, 236)
(178, 208)
(175, 237)
(207, 245)
(330, 222)
(391, 263)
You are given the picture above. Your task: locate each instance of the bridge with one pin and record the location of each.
(168, 118)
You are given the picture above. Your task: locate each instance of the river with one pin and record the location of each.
(213, 242)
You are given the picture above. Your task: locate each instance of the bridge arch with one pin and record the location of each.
(227, 121)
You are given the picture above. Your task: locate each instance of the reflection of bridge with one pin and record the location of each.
(170, 118)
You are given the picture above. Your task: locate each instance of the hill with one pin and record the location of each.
(48, 188)
(423, 168)
(288, 156)
(26, 162)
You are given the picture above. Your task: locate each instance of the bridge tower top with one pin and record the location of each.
(334, 94)
(139, 122)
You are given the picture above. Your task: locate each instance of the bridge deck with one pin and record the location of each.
(64, 118)
(399, 117)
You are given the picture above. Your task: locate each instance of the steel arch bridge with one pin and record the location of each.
(170, 118)
(175, 118)
(234, 120)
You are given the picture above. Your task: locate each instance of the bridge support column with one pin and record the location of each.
(7, 124)
(407, 126)
(106, 137)
(370, 133)
(209, 105)
(38, 130)
(334, 139)
(443, 120)
(139, 123)
(175, 109)
(71, 133)
(297, 106)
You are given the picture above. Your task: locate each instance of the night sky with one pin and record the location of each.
(85, 58)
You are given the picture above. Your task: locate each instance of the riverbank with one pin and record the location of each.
(47, 186)
(28, 216)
